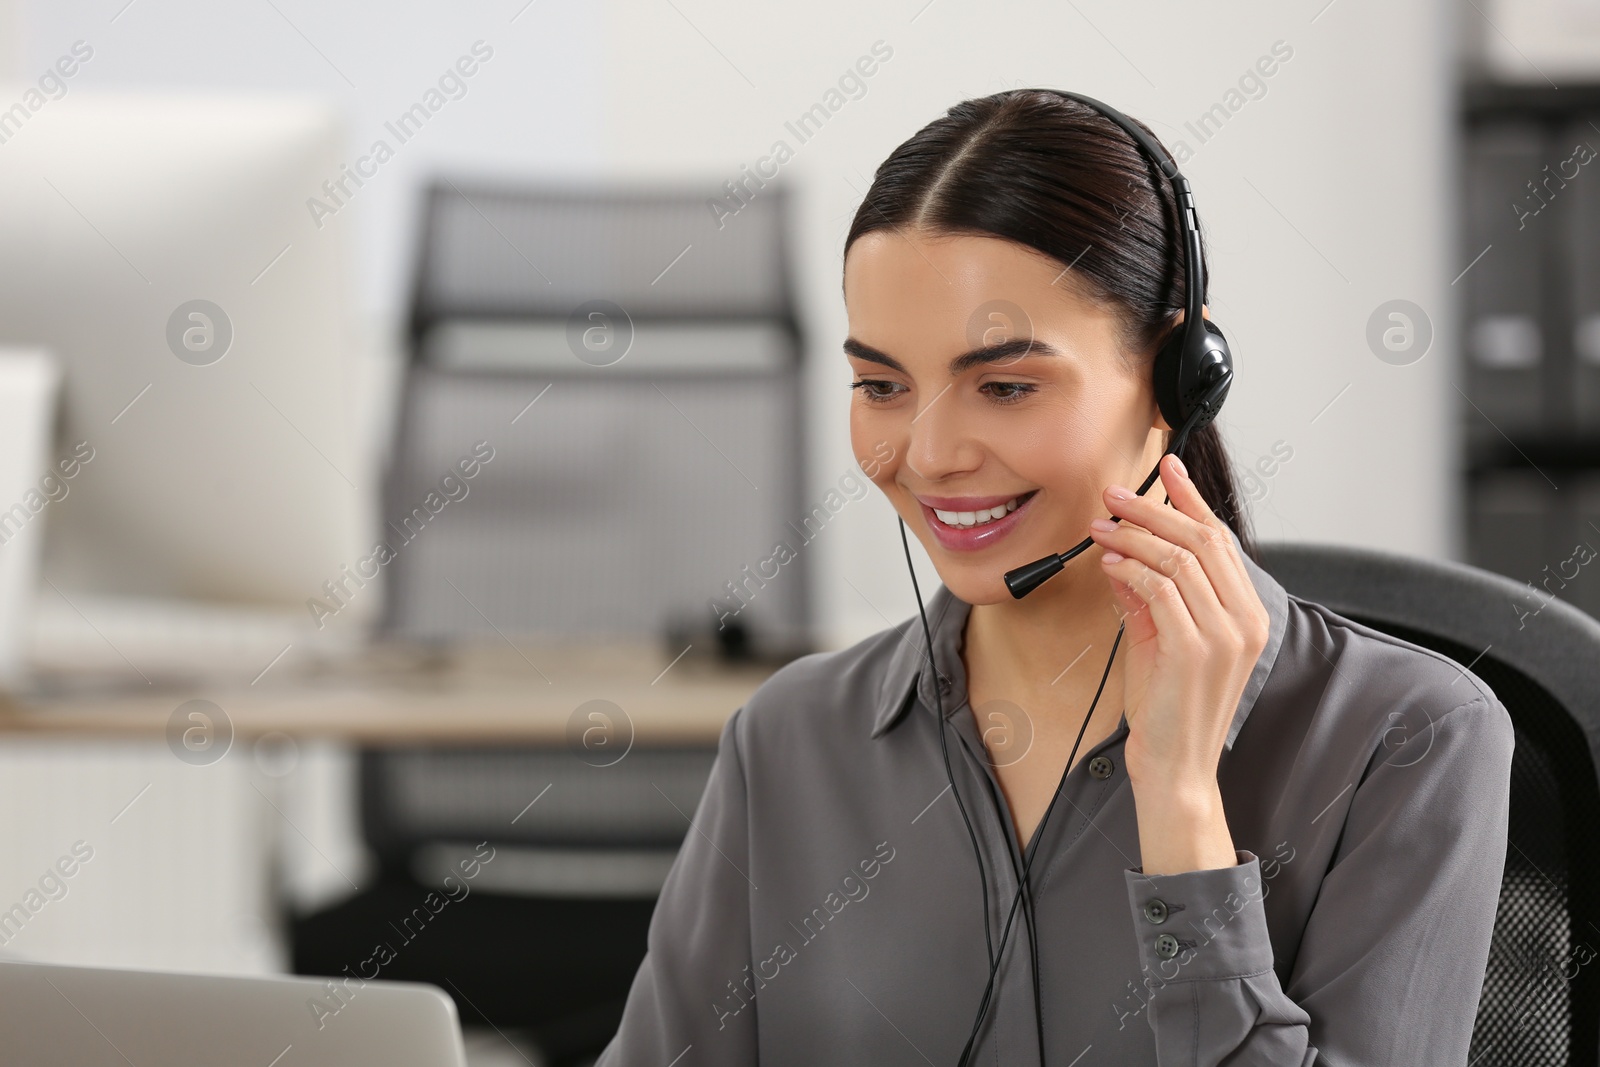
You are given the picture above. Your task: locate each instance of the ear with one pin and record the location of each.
(1205, 313)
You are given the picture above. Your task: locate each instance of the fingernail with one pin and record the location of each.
(1178, 464)
(1103, 525)
(1111, 557)
(1117, 492)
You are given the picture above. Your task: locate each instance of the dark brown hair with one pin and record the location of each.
(1050, 173)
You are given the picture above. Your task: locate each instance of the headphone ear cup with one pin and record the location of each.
(1186, 366)
(1167, 375)
(1203, 367)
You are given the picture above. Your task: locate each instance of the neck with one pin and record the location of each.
(1035, 639)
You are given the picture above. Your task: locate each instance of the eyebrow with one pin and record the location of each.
(1003, 352)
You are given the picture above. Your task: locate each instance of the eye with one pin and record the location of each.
(1008, 392)
(876, 390)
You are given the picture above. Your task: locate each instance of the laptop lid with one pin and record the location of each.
(88, 1017)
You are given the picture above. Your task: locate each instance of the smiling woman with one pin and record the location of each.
(1014, 280)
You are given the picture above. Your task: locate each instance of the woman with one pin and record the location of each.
(1282, 833)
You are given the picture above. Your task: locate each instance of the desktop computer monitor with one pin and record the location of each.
(163, 250)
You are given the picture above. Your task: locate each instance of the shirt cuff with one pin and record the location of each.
(1201, 925)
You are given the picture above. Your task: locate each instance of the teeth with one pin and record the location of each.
(976, 518)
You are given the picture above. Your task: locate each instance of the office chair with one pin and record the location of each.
(661, 468)
(1540, 1005)
(631, 502)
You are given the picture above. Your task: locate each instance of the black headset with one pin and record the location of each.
(1193, 371)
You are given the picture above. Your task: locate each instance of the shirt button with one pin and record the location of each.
(1155, 910)
(944, 684)
(1166, 946)
(1101, 767)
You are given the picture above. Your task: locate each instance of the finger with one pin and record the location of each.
(1135, 612)
(1159, 594)
(1185, 495)
(1237, 592)
(1189, 523)
(1176, 563)
(1238, 595)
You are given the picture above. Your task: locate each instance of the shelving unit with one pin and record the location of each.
(1531, 331)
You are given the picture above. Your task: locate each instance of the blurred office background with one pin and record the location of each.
(259, 343)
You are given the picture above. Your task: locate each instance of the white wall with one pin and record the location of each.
(10, 39)
(1322, 199)
(531, 108)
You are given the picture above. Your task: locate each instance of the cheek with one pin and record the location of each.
(877, 444)
(1047, 445)
(1073, 448)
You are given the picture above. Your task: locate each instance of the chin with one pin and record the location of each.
(973, 574)
(976, 584)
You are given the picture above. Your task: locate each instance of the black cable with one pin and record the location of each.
(949, 773)
(1030, 919)
(1023, 888)
(1029, 916)
(1005, 931)
(927, 634)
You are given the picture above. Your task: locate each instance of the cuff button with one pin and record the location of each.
(1155, 910)
(1166, 946)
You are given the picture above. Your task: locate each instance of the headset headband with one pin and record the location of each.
(1194, 285)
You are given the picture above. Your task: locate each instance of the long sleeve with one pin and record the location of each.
(691, 990)
(1392, 960)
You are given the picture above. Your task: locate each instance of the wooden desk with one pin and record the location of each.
(491, 693)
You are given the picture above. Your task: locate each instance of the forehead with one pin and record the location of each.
(906, 287)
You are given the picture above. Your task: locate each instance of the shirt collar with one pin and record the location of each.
(947, 617)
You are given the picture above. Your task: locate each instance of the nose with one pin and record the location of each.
(939, 442)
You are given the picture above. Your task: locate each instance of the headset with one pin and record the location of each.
(1192, 372)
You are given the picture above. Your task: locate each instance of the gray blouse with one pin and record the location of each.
(825, 906)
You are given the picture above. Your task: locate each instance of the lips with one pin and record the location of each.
(966, 524)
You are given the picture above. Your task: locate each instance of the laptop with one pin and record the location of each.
(97, 1017)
